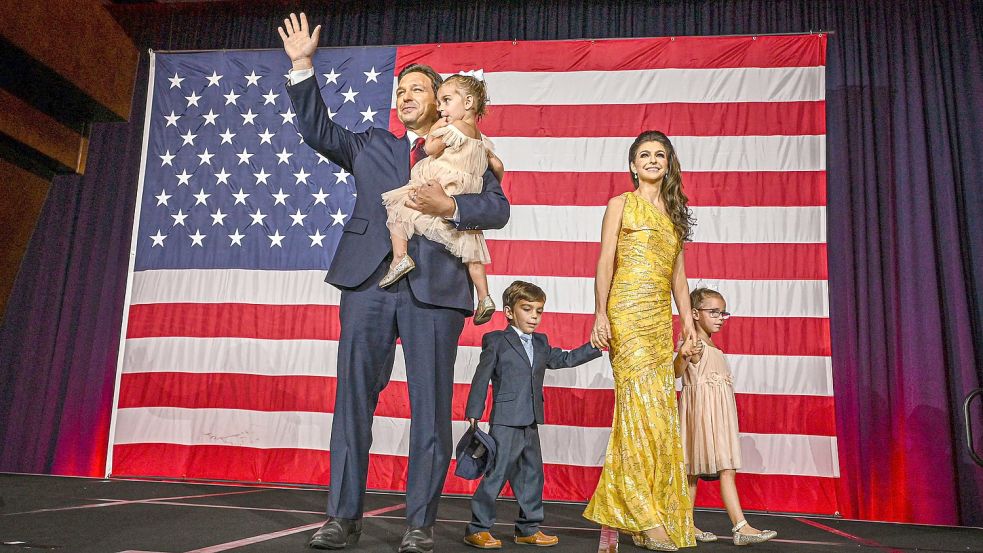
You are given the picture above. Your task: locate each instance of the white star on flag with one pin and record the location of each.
(179, 218)
(371, 75)
(247, 118)
(210, 117)
(240, 197)
(175, 81)
(158, 239)
(319, 198)
(253, 78)
(257, 217)
(201, 197)
(350, 95)
(205, 157)
(368, 115)
(166, 158)
(189, 139)
(262, 176)
(172, 119)
(236, 238)
(266, 137)
(331, 77)
(276, 239)
(298, 218)
(214, 79)
(162, 198)
(218, 218)
(288, 117)
(316, 238)
(339, 218)
(280, 198)
(183, 178)
(244, 156)
(231, 97)
(342, 176)
(193, 99)
(301, 176)
(284, 156)
(197, 238)
(222, 176)
(270, 98)
(227, 136)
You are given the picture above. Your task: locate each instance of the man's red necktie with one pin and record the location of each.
(417, 152)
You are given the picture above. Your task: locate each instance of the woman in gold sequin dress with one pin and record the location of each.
(643, 489)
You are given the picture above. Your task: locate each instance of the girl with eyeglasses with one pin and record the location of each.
(708, 415)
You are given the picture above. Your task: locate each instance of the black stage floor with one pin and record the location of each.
(45, 513)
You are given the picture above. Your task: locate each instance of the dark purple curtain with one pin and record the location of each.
(905, 224)
(904, 113)
(60, 333)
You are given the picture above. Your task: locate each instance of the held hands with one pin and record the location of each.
(473, 422)
(689, 348)
(430, 199)
(600, 335)
(298, 42)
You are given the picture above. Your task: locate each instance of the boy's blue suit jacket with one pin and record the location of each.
(517, 387)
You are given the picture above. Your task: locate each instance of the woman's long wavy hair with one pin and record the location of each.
(671, 190)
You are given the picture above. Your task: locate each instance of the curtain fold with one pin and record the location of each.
(905, 212)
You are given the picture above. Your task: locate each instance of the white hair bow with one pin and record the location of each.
(476, 73)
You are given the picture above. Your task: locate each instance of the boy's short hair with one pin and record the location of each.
(521, 290)
(697, 296)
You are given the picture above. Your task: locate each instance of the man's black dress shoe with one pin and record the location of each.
(417, 540)
(336, 533)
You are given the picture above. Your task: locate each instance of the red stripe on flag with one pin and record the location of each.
(619, 54)
(674, 119)
(743, 335)
(771, 414)
(386, 472)
(725, 188)
(703, 260)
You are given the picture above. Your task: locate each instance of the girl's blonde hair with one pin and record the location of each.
(475, 89)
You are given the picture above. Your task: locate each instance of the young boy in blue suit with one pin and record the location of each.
(515, 361)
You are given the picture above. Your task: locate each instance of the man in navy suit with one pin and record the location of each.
(426, 310)
(515, 360)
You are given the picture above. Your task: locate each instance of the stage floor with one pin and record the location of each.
(39, 513)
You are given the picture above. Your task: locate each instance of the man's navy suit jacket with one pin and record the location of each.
(517, 386)
(380, 162)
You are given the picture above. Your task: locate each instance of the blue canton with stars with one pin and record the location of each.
(228, 181)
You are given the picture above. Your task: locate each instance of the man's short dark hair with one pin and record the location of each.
(434, 77)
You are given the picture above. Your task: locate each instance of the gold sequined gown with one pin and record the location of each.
(643, 483)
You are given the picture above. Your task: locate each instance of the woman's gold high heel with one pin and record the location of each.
(643, 540)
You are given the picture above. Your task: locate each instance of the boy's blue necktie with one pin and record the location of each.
(527, 345)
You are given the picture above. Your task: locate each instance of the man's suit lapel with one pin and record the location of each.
(401, 157)
(513, 338)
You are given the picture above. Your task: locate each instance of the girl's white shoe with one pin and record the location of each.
(748, 539)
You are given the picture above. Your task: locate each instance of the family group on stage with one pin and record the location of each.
(405, 265)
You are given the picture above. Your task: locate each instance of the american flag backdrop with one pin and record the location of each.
(228, 362)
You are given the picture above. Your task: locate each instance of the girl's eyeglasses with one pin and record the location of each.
(716, 313)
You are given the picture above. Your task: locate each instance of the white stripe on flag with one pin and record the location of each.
(748, 298)
(753, 374)
(696, 153)
(656, 86)
(714, 225)
(565, 445)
